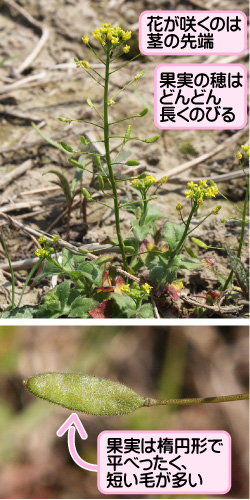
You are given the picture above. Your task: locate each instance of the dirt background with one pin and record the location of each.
(51, 86)
(163, 362)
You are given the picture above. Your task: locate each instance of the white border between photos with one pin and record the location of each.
(127, 322)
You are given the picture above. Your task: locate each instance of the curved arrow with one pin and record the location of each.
(70, 425)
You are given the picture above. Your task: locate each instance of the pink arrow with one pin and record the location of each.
(71, 424)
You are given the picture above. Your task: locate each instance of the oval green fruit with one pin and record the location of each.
(86, 393)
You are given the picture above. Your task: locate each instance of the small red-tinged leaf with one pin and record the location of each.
(175, 289)
(106, 281)
(118, 283)
(212, 296)
(102, 311)
(142, 246)
(208, 262)
(151, 247)
(105, 289)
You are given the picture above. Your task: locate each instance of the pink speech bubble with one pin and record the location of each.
(200, 96)
(164, 462)
(192, 32)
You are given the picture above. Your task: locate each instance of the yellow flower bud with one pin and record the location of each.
(238, 155)
(126, 49)
(85, 39)
(163, 179)
(179, 207)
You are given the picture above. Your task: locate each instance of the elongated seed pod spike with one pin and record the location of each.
(85, 393)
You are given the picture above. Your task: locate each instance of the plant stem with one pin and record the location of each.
(184, 236)
(243, 224)
(11, 272)
(196, 401)
(110, 169)
(34, 268)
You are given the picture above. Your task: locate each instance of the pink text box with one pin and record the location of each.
(164, 462)
(200, 96)
(181, 32)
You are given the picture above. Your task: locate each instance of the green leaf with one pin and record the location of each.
(241, 272)
(162, 270)
(173, 233)
(81, 306)
(199, 243)
(140, 232)
(64, 185)
(76, 179)
(20, 313)
(48, 139)
(146, 311)
(189, 263)
(190, 252)
(126, 307)
(62, 293)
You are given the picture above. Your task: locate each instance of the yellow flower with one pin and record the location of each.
(126, 49)
(42, 239)
(203, 183)
(163, 179)
(134, 182)
(40, 252)
(55, 239)
(200, 201)
(114, 40)
(216, 210)
(85, 39)
(189, 194)
(245, 148)
(238, 155)
(126, 35)
(110, 34)
(179, 207)
(111, 102)
(125, 288)
(191, 185)
(146, 288)
(85, 64)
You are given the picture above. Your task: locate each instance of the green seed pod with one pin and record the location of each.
(132, 163)
(143, 112)
(101, 183)
(127, 134)
(129, 249)
(66, 120)
(152, 139)
(85, 393)
(138, 213)
(86, 194)
(83, 140)
(67, 147)
(90, 103)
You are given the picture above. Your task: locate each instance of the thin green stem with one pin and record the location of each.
(94, 52)
(124, 119)
(110, 169)
(125, 64)
(119, 91)
(33, 270)
(97, 81)
(11, 272)
(199, 223)
(196, 401)
(184, 236)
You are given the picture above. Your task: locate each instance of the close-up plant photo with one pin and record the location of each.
(102, 215)
(118, 378)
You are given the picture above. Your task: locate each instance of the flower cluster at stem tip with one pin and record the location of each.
(146, 182)
(115, 35)
(245, 148)
(136, 291)
(47, 249)
(201, 192)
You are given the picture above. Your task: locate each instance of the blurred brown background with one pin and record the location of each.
(162, 362)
